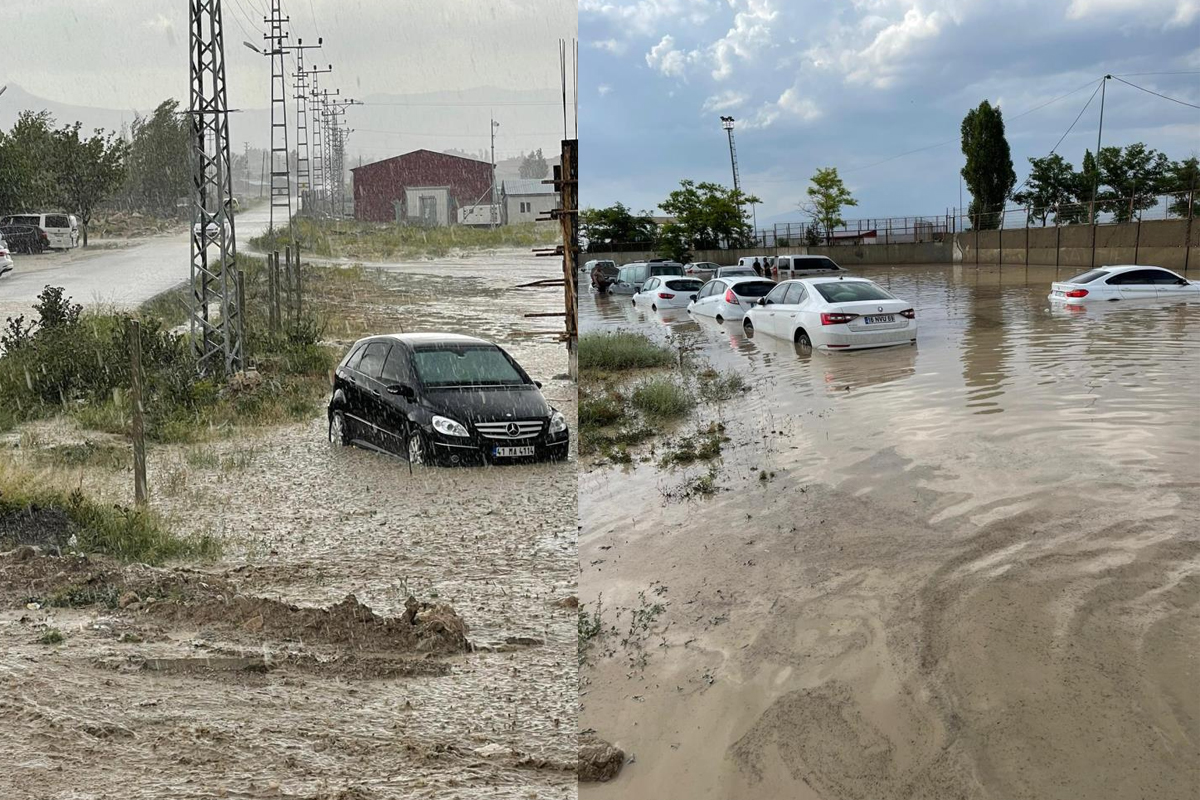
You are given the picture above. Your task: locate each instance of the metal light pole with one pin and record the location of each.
(494, 198)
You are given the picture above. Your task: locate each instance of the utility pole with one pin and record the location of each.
(303, 179)
(727, 124)
(336, 145)
(318, 139)
(217, 343)
(281, 173)
(246, 164)
(327, 149)
(495, 199)
(1099, 133)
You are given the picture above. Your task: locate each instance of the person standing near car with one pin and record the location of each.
(757, 267)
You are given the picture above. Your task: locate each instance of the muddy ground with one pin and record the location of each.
(246, 688)
(969, 569)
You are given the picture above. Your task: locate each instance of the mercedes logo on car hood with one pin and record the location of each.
(513, 429)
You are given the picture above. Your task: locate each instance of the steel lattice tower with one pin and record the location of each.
(318, 143)
(217, 343)
(303, 178)
(281, 173)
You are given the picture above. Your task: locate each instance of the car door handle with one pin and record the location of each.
(375, 393)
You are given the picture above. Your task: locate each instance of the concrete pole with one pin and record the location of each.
(137, 427)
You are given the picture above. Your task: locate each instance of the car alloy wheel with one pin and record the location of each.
(802, 341)
(416, 449)
(337, 429)
(747, 325)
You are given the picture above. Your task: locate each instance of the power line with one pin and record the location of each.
(1068, 131)
(555, 103)
(1156, 94)
(1175, 72)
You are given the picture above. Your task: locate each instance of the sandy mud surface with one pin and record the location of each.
(969, 569)
(366, 634)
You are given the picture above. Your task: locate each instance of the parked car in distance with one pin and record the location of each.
(667, 292)
(1124, 282)
(631, 276)
(736, 272)
(602, 273)
(62, 230)
(795, 266)
(212, 229)
(701, 269)
(834, 314)
(441, 398)
(25, 238)
(730, 298)
(6, 262)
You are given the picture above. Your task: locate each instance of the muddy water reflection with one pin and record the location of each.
(970, 548)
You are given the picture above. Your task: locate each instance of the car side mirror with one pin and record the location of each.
(762, 301)
(693, 298)
(1182, 282)
(538, 384)
(403, 390)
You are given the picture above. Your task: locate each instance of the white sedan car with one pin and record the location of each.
(730, 298)
(1124, 283)
(834, 314)
(667, 291)
(6, 262)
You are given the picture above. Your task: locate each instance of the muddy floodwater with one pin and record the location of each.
(140, 702)
(968, 568)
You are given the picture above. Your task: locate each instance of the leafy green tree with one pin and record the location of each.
(1133, 176)
(989, 169)
(1051, 183)
(90, 170)
(672, 242)
(826, 197)
(709, 215)
(160, 161)
(1184, 180)
(604, 227)
(28, 181)
(534, 165)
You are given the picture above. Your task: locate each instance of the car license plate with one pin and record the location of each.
(879, 320)
(512, 452)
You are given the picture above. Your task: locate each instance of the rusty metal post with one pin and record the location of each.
(569, 221)
(241, 318)
(1187, 236)
(137, 429)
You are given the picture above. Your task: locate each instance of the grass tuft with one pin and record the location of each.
(621, 351)
(662, 398)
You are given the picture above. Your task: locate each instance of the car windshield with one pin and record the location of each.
(753, 288)
(666, 270)
(739, 271)
(465, 366)
(1088, 276)
(851, 291)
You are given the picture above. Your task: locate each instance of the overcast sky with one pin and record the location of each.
(131, 54)
(850, 84)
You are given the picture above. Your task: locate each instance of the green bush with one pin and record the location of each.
(662, 398)
(621, 351)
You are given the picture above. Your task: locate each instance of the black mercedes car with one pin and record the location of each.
(440, 398)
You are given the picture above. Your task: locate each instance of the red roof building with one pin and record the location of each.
(420, 188)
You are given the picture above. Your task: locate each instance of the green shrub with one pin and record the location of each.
(662, 398)
(621, 351)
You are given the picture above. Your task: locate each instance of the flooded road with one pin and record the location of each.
(306, 523)
(969, 568)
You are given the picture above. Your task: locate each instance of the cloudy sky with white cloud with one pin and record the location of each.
(856, 83)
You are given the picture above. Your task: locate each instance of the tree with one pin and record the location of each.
(604, 227)
(89, 170)
(709, 215)
(989, 169)
(28, 181)
(1051, 184)
(1184, 180)
(160, 161)
(826, 197)
(672, 243)
(534, 165)
(1134, 176)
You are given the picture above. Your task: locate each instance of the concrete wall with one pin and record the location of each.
(1155, 242)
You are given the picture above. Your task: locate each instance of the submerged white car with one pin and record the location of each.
(730, 298)
(834, 314)
(6, 262)
(667, 291)
(1124, 283)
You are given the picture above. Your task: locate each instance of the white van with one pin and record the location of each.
(764, 262)
(795, 266)
(61, 229)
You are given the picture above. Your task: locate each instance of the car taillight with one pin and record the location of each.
(1077, 293)
(731, 298)
(908, 313)
(837, 319)
(665, 296)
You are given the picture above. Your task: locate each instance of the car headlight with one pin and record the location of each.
(558, 423)
(449, 427)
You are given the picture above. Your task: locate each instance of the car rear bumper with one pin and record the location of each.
(862, 340)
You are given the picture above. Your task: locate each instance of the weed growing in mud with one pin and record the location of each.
(704, 446)
(86, 454)
(51, 636)
(36, 511)
(698, 486)
(621, 351)
(718, 387)
(641, 618)
(591, 628)
(662, 398)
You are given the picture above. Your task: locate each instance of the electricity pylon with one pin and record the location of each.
(281, 173)
(217, 343)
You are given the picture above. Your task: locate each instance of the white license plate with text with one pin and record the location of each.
(879, 319)
(512, 452)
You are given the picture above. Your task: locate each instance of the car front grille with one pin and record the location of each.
(510, 430)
